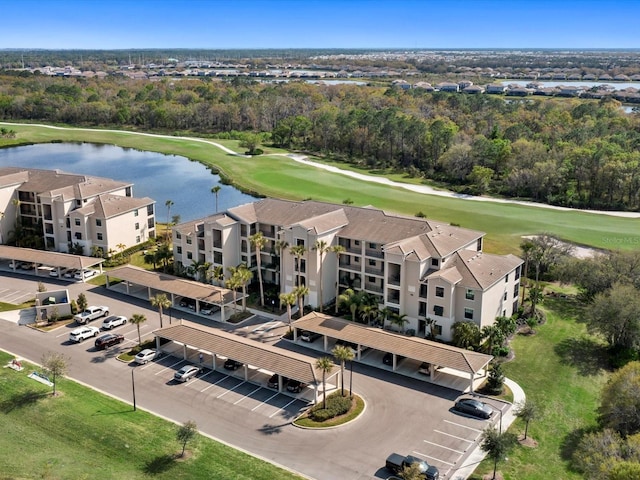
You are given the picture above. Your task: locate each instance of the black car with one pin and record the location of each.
(108, 340)
(295, 386)
(473, 407)
(232, 364)
(273, 381)
(388, 359)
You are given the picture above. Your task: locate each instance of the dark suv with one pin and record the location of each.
(108, 340)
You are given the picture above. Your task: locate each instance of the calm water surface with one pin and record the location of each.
(161, 177)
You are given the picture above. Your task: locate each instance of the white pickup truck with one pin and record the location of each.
(91, 313)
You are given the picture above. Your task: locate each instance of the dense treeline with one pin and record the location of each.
(562, 151)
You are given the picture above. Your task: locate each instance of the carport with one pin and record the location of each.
(439, 356)
(199, 292)
(53, 259)
(219, 343)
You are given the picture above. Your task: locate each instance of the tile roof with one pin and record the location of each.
(107, 206)
(53, 259)
(481, 270)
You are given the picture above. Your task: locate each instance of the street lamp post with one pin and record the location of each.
(133, 387)
(351, 379)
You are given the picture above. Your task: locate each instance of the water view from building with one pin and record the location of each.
(162, 177)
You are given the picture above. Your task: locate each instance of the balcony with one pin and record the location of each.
(372, 287)
(374, 271)
(349, 248)
(374, 253)
(393, 280)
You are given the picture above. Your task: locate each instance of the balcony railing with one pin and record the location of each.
(393, 280)
(373, 288)
(374, 253)
(374, 271)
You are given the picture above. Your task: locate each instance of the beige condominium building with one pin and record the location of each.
(70, 210)
(434, 273)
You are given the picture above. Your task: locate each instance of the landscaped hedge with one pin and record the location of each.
(336, 405)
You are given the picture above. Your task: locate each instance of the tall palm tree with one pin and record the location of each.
(160, 301)
(399, 320)
(232, 283)
(244, 276)
(325, 365)
(137, 319)
(121, 247)
(349, 298)
(288, 299)
(217, 274)
(168, 204)
(280, 246)
(338, 250)
(322, 248)
(258, 241)
(342, 354)
(298, 251)
(215, 190)
(203, 271)
(300, 292)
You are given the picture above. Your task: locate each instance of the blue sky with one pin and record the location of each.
(125, 24)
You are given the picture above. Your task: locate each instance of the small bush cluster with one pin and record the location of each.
(336, 405)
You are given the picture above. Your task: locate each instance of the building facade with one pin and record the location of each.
(434, 273)
(69, 211)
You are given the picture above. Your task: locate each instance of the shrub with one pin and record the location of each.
(500, 351)
(336, 405)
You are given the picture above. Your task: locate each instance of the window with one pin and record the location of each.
(468, 313)
(506, 278)
(356, 243)
(372, 263)
(437, 329)
(438, 310)
(137, 238)
(439, 291)
(189, 240)
(149, 210)
(190, 255)
(98, 222)
(217, 258)
(78, 236)
(373, 246)
(422, 309)
(517, 273)
(99, 236)
(178, 235)
(434, 262)
(77, 222)
(150, 223)
(179, 250)
(423, 290)
(479, 245)
(504, 297)
(243, 230)
(78, 203)
(516, 290)
(137, 226)
(300, 242)
(371, 279)
(470, 295)
(135, 213)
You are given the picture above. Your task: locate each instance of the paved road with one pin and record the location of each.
(402, 414)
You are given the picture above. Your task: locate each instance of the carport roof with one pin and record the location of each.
(171, 284)
(283, 362)
(43, 257)
(409, 347)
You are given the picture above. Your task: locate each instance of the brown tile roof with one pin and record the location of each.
(107, 206)
(481, 270)
(283, 362)
(452, 275)
(53, 259)
(174, 285)
(325, 222)
(409, 347)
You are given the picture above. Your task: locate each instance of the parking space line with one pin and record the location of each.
(433, 458)
(214, 384)
(230, 390)
(285, 406)
(453, 436)
(262, 403)
(169, 367)
(463, 426)
(442, 446)
(247, 395)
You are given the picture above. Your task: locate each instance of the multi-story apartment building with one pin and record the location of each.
(432, 272)
(70, 210)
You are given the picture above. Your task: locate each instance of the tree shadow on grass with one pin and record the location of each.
(22, 400)
(160, 464)
(570, 443)
(566, 306)
(587, 355)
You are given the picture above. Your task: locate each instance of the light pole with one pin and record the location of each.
(169, 315)
(133, 387)
(351, 379)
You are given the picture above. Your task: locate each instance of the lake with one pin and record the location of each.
(161, 177)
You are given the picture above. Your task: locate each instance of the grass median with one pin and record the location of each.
(282, 177)
(83, 434)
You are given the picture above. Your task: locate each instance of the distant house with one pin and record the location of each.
(589, 77)
(424, 85)
(496, 88)
(464, 84)
(473, 89)
(621, 78)
(448, 87)
(605, 77)
(565, 91)
(518, 92)
(403, 84)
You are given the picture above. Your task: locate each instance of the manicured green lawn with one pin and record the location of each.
(279, 176)
(84, 435)
(562, 369)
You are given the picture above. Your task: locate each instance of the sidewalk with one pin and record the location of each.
(478, 455)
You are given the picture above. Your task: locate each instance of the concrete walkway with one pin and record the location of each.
(472, 461)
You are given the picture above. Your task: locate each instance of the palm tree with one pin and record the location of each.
(280, 246)
(160, 301)
(338, 250)
(203, 272)
(151, 257)
(217, 274)
(258, 241)
(121, 247)
(322, 248)
(300, 292)
(288, 299)
(526, 410)
(244, 276)
(368, 311)
(298, 251)
(168, 204)
(350, 300)
(215, 190)
(342, 354)
(137, 319)
(399, 320)
(325, 365)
